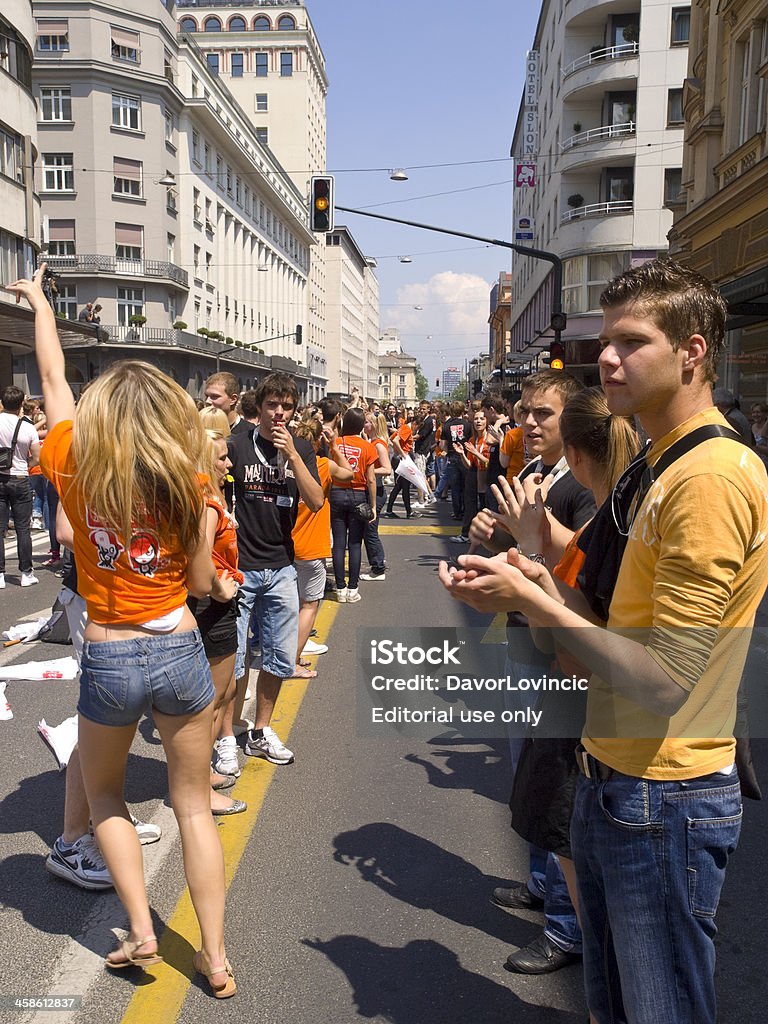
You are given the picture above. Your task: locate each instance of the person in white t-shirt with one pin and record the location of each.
(15, 489)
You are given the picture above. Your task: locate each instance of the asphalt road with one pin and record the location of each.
(360, 876)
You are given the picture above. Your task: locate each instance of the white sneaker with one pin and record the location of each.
(36, 523)
(2, 581)
(369, 576)
(270, 746)
(353, 595)
(80, 863)
(418, 504)
(310, 647)
(341, 595)
(28, 579)
(225, 760)
(461, 539)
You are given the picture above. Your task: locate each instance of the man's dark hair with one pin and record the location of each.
(563, 383)
(353, 422)
(329, 408)
(281, 385)
(457, 409)
(491, 402)
(679, 301)
(13, 398)
(248, 407)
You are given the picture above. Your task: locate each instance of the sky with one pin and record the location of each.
(415, 83)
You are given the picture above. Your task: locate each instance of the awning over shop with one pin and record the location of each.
(17, 329)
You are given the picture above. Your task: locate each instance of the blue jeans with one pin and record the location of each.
(374, 549)
(347, 530)
(547, 881)
(16, 501)
(120, 680)
(455, 474)
(650, 858)
(272, 597)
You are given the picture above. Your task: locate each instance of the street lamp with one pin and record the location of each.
(398, 174)
(167, 180)
(406, 259)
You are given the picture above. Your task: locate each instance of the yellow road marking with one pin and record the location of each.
(161, 1000)
(419, 530)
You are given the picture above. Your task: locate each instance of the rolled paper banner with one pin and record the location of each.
(5, 707)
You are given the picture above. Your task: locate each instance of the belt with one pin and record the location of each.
(590, 767)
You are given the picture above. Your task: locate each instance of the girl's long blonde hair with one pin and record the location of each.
(216, 428)
(137, 442)
(610, 441)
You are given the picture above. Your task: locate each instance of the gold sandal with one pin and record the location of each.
(203, 966)
(132, 959)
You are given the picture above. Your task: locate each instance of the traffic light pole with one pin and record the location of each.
(558, 319)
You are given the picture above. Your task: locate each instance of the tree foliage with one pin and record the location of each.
(422, 384)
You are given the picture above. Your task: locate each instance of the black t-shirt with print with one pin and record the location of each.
(494, 462)
(455, 430)
(425, 437)
(266, 499)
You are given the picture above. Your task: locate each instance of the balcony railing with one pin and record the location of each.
(598, 210)
(599, 56)
(166, 336)
(92, 263)
(606, 131)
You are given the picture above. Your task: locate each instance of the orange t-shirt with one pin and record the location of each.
(567, 569)
(379, 442)
(360, 454)
(512, 445)
(483, 447)
(224, 551)
(312, 530)
(405, 434)
(121, 583)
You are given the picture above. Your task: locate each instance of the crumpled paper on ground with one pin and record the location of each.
(5, 707)
(60, 739)
(24, 631)
(59, 668)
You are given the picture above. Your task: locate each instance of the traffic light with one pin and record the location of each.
(298, 338)
(556, 357)
(321, 203)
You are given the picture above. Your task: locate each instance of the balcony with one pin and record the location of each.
(606, 131)
(93, 265)
(604, 146)
(166, 337)
(599, 56)
(598, 210)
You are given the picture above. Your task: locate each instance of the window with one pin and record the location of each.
(171, 247)
(585, 278)
(168, 70)
(170, 195)
(196, 147)
(401, 392)
(261, 24)
(286, 64)
(681, 26)
(207, 163)
(247, 199)
(127, 177)
(401, 378)
(56, 104)
(61, 237)
(236, 24)
(52, 36)
(169, 126)
(229, 180)
(66, 301)
(763, 85)
(208, 264)
(286, 22)
(746, 113)
(673, 185)
(620, 184)
(260, 67)
(196, 260)
(212, 25)
(188, 25)
(58, 172)
(126, 112)
(262, 134)
(212, 60)
(129, 243)
(262, 102)
(219, 171)
(675, 107)
(130, 302)
(125, 45)
(238, 192)
(11, 156)
(236, 65)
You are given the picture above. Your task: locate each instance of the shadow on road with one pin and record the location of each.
(462, 766)
(423, 983)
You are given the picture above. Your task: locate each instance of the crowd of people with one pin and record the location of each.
(205, 538)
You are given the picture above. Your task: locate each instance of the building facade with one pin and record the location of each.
(601, 128)
(352, 317)
(452, 378)
(161, 203)
(397, 379)
(267, 54)
(721, 222)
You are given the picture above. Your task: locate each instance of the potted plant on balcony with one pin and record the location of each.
(179, 325)
(575, 201)
(631, 33)
(577, 126)
(203, 332)
(136, 322)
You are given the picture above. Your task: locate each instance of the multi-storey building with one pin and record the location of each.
(601, 122)
(721, 222)
(20, 229)
(269, 57)
(397, 379)
(352, 317)
(161, 203)
(452, 378)
(499, 319)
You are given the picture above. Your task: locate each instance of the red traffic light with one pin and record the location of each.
(321, 203)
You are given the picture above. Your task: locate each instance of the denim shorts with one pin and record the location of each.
(271, 598)
(120, 680)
